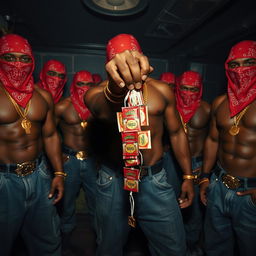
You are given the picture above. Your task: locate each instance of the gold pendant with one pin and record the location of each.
(234, 130)
(131, 221)
(26, 125)
(83, 124)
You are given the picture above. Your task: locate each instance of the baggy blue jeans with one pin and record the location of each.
(173, 172)
(156, 209)
(229, 219)
(193, 217)
(80, 173)
(26, 209)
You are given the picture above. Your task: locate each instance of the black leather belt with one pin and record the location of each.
(234, 182)
(22, 169)
(80, 155)
(154, 169)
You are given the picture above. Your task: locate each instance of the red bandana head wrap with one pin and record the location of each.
(121, 43)
(96, 78)
(77, 93)
(187, 101)
(167, 77)
(16, 76)
(53, 84)
(241, 80)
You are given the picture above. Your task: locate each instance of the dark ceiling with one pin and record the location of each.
(202, 30)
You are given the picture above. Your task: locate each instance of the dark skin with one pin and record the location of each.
(74, 135)
(197, 127)
(17, 147)
(236, 154)
(128, 70)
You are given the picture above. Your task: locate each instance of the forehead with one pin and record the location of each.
(15, 54)
(240, 60)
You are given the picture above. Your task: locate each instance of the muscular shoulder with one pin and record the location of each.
(218, 102)
(62, 106)
(45, 95)
(92, 96)
(206, 107)
(161, 88)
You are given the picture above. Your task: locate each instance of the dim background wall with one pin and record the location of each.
(212, 73)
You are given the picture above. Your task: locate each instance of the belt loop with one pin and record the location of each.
(149, 171)
(245, 180)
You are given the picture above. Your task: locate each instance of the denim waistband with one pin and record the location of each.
(13, 167)
(244, 181)
(69, 151)
(145, 170)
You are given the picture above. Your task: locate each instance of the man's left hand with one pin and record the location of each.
(187, 194)
(57, 188)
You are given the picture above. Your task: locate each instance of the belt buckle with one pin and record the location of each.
(230, 181)
(25, 168)
(81, 155)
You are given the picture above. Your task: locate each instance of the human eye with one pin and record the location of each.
(51, 73)
(25, 59)
(8, 57)
(233, 64)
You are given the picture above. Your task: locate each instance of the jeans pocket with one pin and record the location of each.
(104, 179)
(250, 202)
(160, 180)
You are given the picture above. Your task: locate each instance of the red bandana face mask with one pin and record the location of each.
(167, 77)
(187, 101)
(114, 46)
(77, 93)
(53, 84)
(16, 76)
(241, 80)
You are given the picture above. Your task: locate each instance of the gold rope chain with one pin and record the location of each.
(183, 124)
(25, 123)
(234, 130)
(145, 93)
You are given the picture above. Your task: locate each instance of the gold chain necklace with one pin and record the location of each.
(25, 123)
(185, 127)
(83, 123)
(234, 129)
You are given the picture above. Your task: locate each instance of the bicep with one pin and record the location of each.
(172, 119)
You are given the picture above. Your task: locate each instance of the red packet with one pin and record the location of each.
(144, 139)
(144, 115)
(131, 119)
(131, 179)
(130, 145)
(132, 161)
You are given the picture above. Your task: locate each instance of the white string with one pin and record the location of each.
(131, 203)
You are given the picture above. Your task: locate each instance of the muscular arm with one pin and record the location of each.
(52, 148)
(212, 140)
(210, 149)
(180, 146)
(177, 135)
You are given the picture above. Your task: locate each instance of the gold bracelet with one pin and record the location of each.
(63, 174)
(109, 99)
(203, 180)
(113, 94)
(188, 177)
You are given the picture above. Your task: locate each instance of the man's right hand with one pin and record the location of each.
(203, 188)
(129, 68)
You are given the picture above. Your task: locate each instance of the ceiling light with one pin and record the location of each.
(116, 7)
